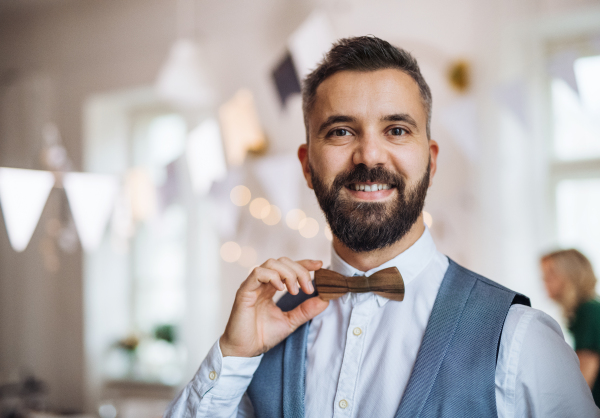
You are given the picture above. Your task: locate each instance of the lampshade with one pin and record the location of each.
(181, 79)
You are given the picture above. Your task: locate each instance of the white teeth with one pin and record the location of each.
(371, 187)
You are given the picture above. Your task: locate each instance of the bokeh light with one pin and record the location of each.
(260, 208)
(231, 252)
(308, 227)
(294, 217)
(273, 216)
(240, 195)
(328, 234)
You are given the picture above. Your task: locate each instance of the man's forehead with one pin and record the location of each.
(364, 94)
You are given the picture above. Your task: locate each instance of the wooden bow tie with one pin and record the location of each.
(387, 283)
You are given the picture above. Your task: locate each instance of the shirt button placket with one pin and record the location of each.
(352, 358)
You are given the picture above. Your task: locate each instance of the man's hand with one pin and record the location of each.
(256, 324)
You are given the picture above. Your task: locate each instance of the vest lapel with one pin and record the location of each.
(449, 304)
(294, 367)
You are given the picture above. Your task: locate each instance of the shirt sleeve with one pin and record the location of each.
(538, 374)
(217, 389)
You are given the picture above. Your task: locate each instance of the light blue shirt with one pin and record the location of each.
(359, 360)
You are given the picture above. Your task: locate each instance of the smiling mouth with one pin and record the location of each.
(370, 187)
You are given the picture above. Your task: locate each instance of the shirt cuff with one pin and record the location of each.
(224, 377)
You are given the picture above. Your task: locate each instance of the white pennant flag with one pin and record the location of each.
(23, 194)
(281, 178)
(309, 42)
(562, 65)
(460, 120)
(92, 198)
(205, 158)
(513, 95)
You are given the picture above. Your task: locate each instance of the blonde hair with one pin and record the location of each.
(580, 281)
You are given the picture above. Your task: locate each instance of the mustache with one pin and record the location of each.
(361, 174)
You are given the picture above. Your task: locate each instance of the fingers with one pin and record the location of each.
(262, 275)
(306, 311)
(311, 265)
(287, 274)
(283, 273)
(302, 274)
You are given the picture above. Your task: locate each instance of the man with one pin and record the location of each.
(435, 340)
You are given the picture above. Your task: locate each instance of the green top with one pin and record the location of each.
(585, 327)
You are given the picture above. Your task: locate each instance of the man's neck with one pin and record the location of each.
(365, 261)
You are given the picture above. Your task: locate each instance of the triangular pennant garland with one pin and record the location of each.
(23, 195)
(286, 79)
(91, 198)
(221, 193)
(513, 95)
(240, 127)
(281, 178)
(460, 119)
(309, 43)
(205, 157)
(562, 65)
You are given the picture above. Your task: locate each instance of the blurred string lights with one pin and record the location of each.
(261, 208)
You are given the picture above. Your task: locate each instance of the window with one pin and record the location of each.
(152, 289)
(575, 162)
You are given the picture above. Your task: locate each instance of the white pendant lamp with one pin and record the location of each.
(182, 80)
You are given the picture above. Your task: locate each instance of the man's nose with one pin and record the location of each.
(370, 150)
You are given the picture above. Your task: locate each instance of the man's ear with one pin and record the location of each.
(303, 157)
(433, 153)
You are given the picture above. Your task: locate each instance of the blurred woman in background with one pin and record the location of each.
(570, 281)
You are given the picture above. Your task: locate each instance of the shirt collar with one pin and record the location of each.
(410, 263)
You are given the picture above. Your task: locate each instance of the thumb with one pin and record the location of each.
(306, 311)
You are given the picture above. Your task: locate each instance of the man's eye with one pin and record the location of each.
(340, 132)
(398, 131)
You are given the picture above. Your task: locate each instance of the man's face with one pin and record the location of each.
(368, 129)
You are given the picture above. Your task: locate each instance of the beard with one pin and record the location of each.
(368, 226)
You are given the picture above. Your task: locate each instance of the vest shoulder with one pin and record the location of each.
(458, 269)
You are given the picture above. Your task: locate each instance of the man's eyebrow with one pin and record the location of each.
(331, 120)
(400, 117)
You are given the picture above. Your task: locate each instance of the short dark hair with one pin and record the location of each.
(364, 53)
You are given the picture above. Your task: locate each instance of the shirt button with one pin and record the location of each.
(343, 404)
(212, 375)
(357, 331)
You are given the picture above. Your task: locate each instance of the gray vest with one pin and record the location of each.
(453, 375)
